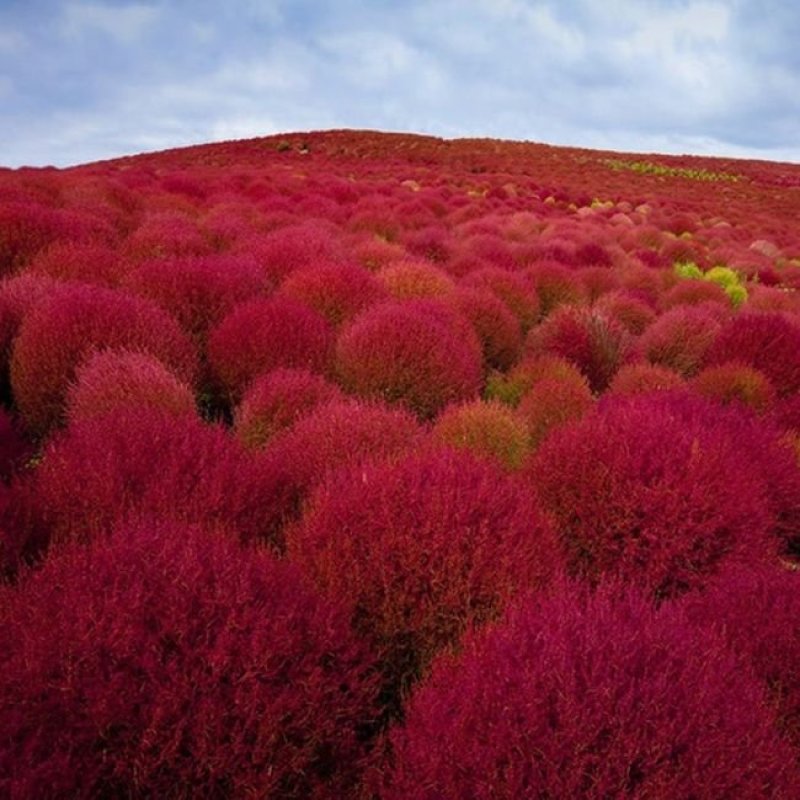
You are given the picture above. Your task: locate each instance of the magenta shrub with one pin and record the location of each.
(597, 344)
(111, 379)
(166, 234)
(422, 548)
(768, 342)
(589, 696)
(736, 382)
(88, 262)
(642, 377)
(660, 490)
(276, 400)
(513, 288)
(68, 325)
(555, 285)
(337, 291)
(199, 290)
(756, 610)
(165, 661)
(551, 403)
(419, 353)
(679, 339)
(498, 330)
(264, 334)
(134, 461)
(337, 434)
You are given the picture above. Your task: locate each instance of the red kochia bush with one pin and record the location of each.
(737, 382)
(167, 662)
(422, 548)
(334, 435)
(89, 262)
(418, 352)
(68, 325)
(551, 403)
(337, 291)
(513, 288)
(102, 470)
(757, 612)
(277, 400)
(590, 696)
(679, 339)
(642, 377)
(198, 291)
(265, 334)
(656, 489)
(110, 379)
(597, 344)
(498, 330)
(767, 342)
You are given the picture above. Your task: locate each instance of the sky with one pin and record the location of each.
(83, 80)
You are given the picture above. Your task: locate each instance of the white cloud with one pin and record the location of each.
(124, 24)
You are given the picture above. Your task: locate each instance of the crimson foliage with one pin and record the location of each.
(659, 489)
(167, 662)
(264, 334)
(421, 548)
(72, 322)
(590, 697)
(418, 353)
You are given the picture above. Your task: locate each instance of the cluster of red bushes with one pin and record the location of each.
(365, 465)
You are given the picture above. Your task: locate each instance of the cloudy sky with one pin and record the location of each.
(82, 80)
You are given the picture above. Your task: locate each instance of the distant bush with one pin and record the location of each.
(68, 325)
(631, 311)
(276, 400)
(510, 387)
(337, 291)
(513, 288)
(679, 339)
(264, 334)
(498, 330)
(488, 429)
(111, 379)
(407, 279)
(641, 377)
(660, 490)
(597, 344)
(767, 341)
(167, 662)
(594, 696)
(421, 549)
(418, 353)
(165, 234)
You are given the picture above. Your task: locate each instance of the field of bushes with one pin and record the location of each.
(358, 465)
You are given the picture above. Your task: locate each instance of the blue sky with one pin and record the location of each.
(82, 80)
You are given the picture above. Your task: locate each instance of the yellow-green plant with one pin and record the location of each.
(727, 278)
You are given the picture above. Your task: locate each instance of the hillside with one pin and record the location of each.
(352, 464)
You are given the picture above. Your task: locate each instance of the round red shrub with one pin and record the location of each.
(276, 400)
(695, 293)
(631, 311)
(101, 470)
(489, 429)
(418, 353)
(166, 661)
(165, 234)
(642, 377)
(198, 291)
(738, 382)
(111, 379)
(659, 489)
(767, 342)
(679, 339)
(87, 262)
(337, 291)
(589, 696)
(422, 548)
(512, 288)
(334, 435)
(756, 610)
(555, 285)
(406, 280)
(551, 403)
(69, 324)
(510, 387)
(597, 344)
(25, 229)
(498, 330)
(264, 334)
